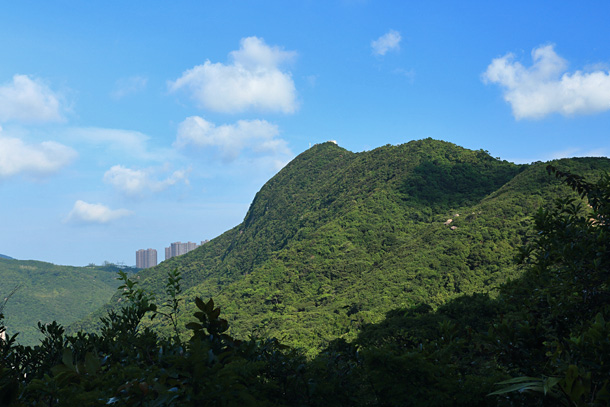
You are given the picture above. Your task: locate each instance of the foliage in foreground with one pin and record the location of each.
(545, 340)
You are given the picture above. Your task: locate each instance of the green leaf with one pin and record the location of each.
(518, 387)
(67, 357)
(519, 379)
(92, 363)
(194, 326)
(549, 383)
(199, 303)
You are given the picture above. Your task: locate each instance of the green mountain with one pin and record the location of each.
(2, 256)
(337, 239)
(45, 292)
(542, 338)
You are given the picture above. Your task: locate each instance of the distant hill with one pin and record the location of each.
(47, 292)
(337, 239)
(2, 256)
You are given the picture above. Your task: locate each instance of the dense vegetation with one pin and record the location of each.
(336, 240)
(46, 292)
(544, 339)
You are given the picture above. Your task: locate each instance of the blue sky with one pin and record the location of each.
(129, 125)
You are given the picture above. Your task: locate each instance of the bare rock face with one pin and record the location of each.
(448, 221)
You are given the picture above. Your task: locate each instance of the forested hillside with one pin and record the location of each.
(542, 339)
(382, 300)
(45, 292)
(337, 239)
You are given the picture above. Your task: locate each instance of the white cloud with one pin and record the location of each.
(258, 136)
(118, 142)
(133, 182)
(546, 88)
(390, 41)
(84, 212)
(252, 80)
(17, 157)
(127, 86)
(29, 100)
(123, 139)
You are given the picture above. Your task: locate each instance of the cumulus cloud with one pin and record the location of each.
(127, 86)
(134, 182)
(29, 100)
(258, 136)
(84, 212)
(17, 157)
(253, 79)
(544, 88)
(389, 41)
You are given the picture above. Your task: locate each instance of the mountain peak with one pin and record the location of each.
(343, 237)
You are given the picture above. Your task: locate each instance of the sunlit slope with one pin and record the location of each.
(336, 238)
(47, 292)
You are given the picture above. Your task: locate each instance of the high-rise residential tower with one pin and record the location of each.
(146, 258)
(179, 248)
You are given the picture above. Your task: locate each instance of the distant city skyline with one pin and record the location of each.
(146, 258)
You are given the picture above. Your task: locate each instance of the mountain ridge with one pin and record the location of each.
(336, 239)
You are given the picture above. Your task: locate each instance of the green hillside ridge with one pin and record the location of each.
(337, 239)
(47, 292)
(2, 256)
(542, 339)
